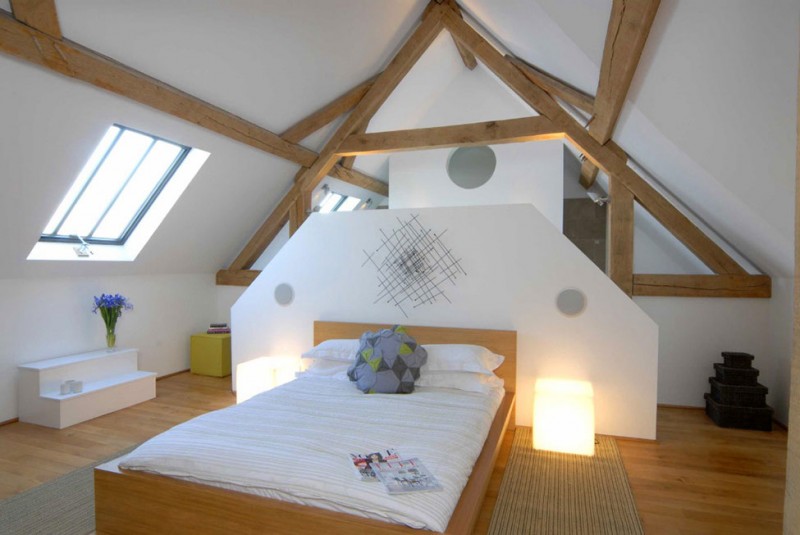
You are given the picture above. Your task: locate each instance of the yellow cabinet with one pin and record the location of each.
(211, 354)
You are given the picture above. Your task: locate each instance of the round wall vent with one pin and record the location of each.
(471, 167)
(571, 302)
(284, 294)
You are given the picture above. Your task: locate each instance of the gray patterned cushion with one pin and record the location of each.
(387, 362)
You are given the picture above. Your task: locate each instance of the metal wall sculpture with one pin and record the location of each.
(413, 265)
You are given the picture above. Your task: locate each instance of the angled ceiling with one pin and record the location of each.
(715, 133)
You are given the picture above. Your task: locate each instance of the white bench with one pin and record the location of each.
(111, 381)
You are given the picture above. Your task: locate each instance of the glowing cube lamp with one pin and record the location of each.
(262, 374)
(563, 416)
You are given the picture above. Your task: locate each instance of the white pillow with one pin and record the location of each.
(343, 350)
(332, 369)
(471, 382)
(324, 366)
(460, 358)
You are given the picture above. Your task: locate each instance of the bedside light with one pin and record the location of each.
(563, 416)
(264, 373)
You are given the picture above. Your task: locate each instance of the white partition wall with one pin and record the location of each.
(515, 262)
(525, 173)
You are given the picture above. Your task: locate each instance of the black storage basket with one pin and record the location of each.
(735, 359)
(759, 418)
(736, 376)
(741, 395)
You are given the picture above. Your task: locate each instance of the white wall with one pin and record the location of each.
(52, 317)
(572, 176)
(525, 172)
(656, 250)
(693, 331)
(516, 263)
(226, 296)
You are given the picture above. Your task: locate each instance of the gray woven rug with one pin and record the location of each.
(64, 506)
(545, 492)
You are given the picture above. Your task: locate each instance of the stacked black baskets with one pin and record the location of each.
(736, 398)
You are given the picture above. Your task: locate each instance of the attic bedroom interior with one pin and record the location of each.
(460, 266)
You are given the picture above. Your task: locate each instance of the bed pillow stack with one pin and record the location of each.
(387, 362)
(460, 366)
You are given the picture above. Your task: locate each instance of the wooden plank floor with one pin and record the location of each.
(700, 478)
(697, 478)
(31, 454)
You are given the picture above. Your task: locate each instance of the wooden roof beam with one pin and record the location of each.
(628, 29)
(555, 87)
(673, 219)
(325, 115)
(241, 277)
(702, 285)
(357, 178)
(620, 236)
(38, 14)
(463, 135)
(75, 61)
(509, 131)
(267, 231)
(466, 56)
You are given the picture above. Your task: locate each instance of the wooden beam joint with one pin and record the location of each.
(38, 14)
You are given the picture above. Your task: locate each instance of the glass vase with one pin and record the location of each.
(111, 340)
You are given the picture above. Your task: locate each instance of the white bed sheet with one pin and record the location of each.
(292, 444)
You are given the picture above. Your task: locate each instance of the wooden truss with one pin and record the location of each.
(33, 34)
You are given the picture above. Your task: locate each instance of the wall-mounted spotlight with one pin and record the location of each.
(597, 195)
(597, 198)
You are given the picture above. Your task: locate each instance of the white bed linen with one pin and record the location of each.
(292, 444)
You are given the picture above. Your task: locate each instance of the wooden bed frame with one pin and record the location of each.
(135, 502)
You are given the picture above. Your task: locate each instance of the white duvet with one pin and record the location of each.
(293, 443)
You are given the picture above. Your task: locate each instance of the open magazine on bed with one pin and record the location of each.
(405, 475)
(362, 461)
(397, 475)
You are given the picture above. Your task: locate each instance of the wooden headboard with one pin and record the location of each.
(499, 342)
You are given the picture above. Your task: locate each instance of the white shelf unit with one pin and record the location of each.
(111, 381)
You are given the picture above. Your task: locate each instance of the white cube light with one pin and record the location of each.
(563, 416)
(262, 374)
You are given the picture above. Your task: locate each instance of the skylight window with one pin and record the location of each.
(336, 202)
(349, 204)
(120, 181)
(330, 203)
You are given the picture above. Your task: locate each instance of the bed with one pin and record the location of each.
(137, 502)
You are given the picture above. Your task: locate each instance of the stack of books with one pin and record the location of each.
(218, 328)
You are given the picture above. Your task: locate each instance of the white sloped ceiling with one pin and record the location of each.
(711, 113)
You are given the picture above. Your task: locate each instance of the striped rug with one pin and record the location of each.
(62, 506)
(545, 492)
